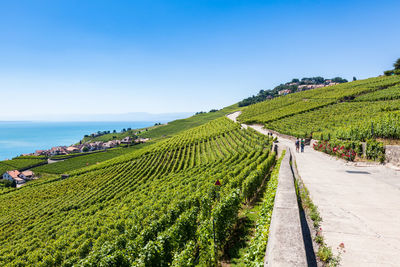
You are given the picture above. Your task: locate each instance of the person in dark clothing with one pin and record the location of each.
(302, 145)
(297, 145)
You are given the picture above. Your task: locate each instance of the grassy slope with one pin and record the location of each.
(156, 133)
(178, 126)
(85, 160)
(167, 130)
(68, 218)
(329, 108)
(115, 136)
(18, 164)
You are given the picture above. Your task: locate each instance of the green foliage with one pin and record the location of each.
(307, 101)
(346, 120)
(84, 159)
(375, 150)
(225, 216)
(178, 126)
(291, 86)
(258, 244)
(105, 137)
(254, 180)
(396, 65)
(325, 253)
(20, 163)
(395, 71)
(388, 72)
(390, 93)
(150, 207)
(343, 149)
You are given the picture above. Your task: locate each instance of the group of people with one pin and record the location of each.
(299, 144)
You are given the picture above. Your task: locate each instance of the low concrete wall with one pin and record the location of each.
(285, 241)
(392, 154)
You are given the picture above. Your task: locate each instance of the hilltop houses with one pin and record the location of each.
(27, 175)
(88, 146)
(18, 177)
(126, 141)
(72, 149)
(284, 92)
(111, 144)
(141, 140)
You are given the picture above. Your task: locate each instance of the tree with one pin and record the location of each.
(319, 80)
(354, 78)
(85, 149)
(339, 80)
(114, 131)
(388, 72)
(396, 65)
(295, 80)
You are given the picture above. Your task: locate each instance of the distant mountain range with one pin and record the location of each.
(132, 116)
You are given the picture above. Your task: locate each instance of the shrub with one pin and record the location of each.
(388, 72)
(343, 149)
(375, 150)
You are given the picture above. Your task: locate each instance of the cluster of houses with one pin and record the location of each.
(89, 146)
(304, 87)
(19, 177)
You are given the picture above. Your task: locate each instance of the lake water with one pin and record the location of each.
(18, 138)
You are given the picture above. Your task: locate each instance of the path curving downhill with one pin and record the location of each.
(359, 205)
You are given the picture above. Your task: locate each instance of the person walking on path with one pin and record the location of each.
(297, 144)
(302, 145)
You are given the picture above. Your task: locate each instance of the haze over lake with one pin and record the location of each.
(25, 137)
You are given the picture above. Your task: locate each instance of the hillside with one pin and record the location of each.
(356, 110)
(166, 130)
(296, 85)
(157, 204)
(149, 207)
(156, 133)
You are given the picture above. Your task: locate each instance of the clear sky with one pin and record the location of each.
(97, 57)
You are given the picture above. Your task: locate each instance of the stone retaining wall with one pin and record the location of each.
(392, 154)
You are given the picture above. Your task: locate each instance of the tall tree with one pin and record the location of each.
(397, 64)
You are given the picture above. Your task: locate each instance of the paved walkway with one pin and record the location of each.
(359, 205)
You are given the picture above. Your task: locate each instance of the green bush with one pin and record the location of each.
(375, 150)
(388, 72)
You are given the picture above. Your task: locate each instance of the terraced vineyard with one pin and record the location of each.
(20, 163)
(153, 207)
(357, 111)
(88, 159)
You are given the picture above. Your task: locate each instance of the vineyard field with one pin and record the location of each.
(84, 160)
(356, 110)
(152, 207)
(19, 163)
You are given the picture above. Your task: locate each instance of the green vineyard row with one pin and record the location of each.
(156, 206)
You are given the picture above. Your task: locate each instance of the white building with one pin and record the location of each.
(27, 175)
(14, 176)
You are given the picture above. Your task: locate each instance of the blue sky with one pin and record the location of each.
(96, 57)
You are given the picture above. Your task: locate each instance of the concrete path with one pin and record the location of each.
(359, 205)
